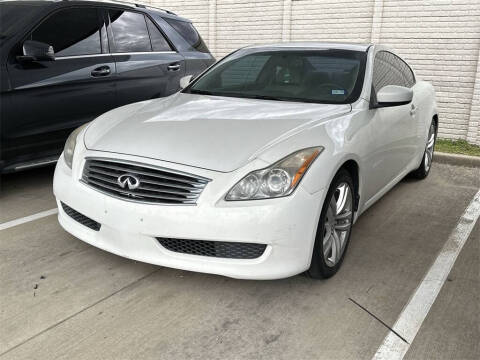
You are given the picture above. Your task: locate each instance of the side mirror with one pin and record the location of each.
(36, 51)
(184, 81)
(393, 95)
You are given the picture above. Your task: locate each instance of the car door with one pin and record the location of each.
(393, 129)
(51, 98)
(147, 66)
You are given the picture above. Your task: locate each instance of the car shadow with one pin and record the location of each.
(26, 180)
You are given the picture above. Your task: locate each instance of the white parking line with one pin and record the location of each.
(415, 312)
(26, 219)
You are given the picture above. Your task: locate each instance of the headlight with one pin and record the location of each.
(70, 145)
(279, 179)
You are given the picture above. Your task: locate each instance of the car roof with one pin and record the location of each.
(30, 2)
(127, 4)
(315, 45)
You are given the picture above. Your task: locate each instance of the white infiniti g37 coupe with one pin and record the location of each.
(258, 168)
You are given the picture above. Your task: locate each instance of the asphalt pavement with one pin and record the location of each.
(63, 299)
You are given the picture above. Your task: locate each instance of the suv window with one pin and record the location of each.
(389, 69)
(130, 32)
(188, 33)
(71, 32)
(159, 43)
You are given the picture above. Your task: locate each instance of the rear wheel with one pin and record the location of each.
(334, 228)
(424, 168)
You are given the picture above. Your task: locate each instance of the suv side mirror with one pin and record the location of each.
(393, 95)
(36, 51)
(184, 81)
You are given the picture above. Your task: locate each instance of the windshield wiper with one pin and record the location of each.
(252, 96)
(278, 98)
(247, 96)
(263, 97)
(200, 92)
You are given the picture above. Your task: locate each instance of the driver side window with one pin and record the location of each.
(71, 32)
(389, 69)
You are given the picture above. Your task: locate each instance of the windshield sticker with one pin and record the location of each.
(338, 92)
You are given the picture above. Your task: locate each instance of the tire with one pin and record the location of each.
(337, 219)
(422, 171)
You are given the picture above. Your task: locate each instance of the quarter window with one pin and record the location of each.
(159, 43)
(130, 32)
(71, 32)
(188, 33)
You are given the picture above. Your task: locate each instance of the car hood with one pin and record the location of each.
(210, 132)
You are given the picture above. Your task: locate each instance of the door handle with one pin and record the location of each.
(101, 71)
(413, 110)
(173, 67)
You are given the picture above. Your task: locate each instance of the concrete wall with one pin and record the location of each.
(439, 38)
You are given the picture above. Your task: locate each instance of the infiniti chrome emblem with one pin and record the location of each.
(128, 180)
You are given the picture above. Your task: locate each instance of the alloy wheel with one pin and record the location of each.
(338, 223)
(429, 148)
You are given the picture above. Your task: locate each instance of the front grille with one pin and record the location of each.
(156, 185)
(82, 219)
(220, 249)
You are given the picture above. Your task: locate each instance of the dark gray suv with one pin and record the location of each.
(63, 63)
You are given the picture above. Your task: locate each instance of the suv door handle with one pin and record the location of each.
(101, 71)
(173, 67)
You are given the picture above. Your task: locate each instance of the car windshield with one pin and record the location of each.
(10, 13)
(320, 76)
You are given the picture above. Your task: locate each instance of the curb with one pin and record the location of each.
(456, 159)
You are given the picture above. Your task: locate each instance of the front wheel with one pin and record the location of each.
(424, 168)
(334, 227)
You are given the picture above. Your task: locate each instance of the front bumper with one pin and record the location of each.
(129, 229)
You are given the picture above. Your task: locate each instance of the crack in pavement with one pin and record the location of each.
(79, 312)
(379, 320)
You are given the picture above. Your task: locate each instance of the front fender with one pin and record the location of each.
(337, 136)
